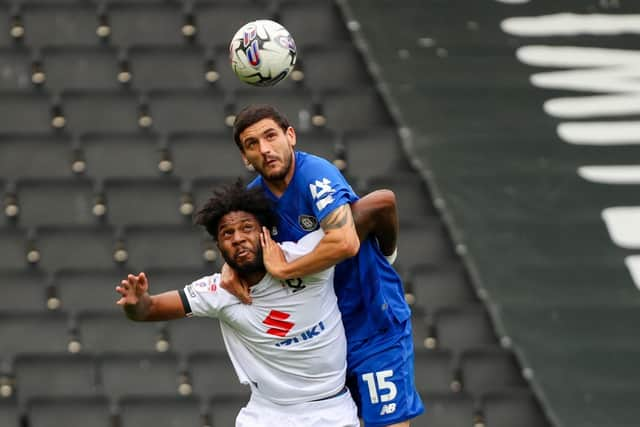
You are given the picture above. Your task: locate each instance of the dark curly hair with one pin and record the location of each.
(231, 198)
(253, 114)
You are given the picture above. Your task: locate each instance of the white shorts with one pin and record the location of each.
(339, 411)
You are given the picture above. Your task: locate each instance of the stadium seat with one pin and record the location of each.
(485, 370)
(145, 24)
(55, 375)
(461, 328)
(70, 24)
(149, 201)
(437, 286)
(430, 237)
(354, 110)
(347, 68)
(156, 67)
(109, 331)
(433, 370)
(67, 202)
(168, 279)
(445, 410)
(217, 23)
(201, 155)
(412, 196)
(294, 103)
(9, 413)
(29, 332)
(513, 407)
(202, 188)
(88, 290)
(35, 156)
(320, 142)
(25, 113)
(212, 375)
(69, 247)
(77, 411)
(192, 110)
(312, 24)
(13, 247)
(161, 411)
(100, 111)
(373, 153)
(120, 155)
(80, 68)
(23, 289)
(147, 247)
(225, 409)
(16, 66)
(5, 19)
(188, 336)
(130, 374)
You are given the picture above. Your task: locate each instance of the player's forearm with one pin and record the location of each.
(164, 306)
(376, 214)
(335, 246)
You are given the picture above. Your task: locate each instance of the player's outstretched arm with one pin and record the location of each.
(377, 214)
(139, 305)
(340, 242)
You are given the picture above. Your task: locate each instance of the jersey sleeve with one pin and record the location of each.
(205, 297)
(326, 187)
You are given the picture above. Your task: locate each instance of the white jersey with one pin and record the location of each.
(289, 344)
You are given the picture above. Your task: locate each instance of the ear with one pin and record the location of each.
(291, 135)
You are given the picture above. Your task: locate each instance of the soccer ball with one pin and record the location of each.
(262, 53)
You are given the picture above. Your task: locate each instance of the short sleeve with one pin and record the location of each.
(205, 297)
(326, 186)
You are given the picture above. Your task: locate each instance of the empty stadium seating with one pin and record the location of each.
(114, 127)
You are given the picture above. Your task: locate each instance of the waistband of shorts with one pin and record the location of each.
(340, 393)
(258, 397)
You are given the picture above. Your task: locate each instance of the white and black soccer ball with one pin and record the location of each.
(262, 53)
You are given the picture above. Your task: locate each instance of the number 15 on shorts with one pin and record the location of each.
(380, 389)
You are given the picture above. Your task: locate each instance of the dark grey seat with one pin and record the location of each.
(319, 142)
(59, 201)
(55, 375)
(29, 332)
(489, 369)
(13, 246)
(152, 201)
(212, 375)
(334, 66)
(316, 23)
(445, 410)
(24, 289)
(167, 67)
(147, 247)
(373, 153)
(5, 37)
(217, 23)
(200, 155)
(25, 113)
(433, 370)
(35, 155)
(139, 373)
(9, 413)
(160, 411)
(225, 409)
(145, 24)
(423, 244)
(68, 247)
(187, 110)
(354, 110)
(437, 286)
(120, 155)
(100, 111)
(16, 68)
(188, 336)
(69, 24)
(76, 411)
(464, 327)
(109, 331)
(88, 289)
(80, 67)
(513, 407)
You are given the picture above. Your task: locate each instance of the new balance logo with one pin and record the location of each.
(387, 409)
(277, 320)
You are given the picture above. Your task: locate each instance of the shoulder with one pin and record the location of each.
(208, 287)
(294, 250)
(310, 164)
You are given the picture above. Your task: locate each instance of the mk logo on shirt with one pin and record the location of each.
(321, 191)
(277, 320)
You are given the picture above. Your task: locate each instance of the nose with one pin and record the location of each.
(237, 237)
(265, 146)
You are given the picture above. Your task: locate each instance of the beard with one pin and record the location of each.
(249, 267)
(280, 174)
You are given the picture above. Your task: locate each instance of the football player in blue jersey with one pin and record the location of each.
(310, 193)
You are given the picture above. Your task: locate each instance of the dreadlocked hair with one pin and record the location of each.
(232, 198)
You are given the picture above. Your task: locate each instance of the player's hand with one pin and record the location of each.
(272, 255)
(132, 289)
(232, 283)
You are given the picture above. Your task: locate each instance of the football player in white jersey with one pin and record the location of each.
(289, 344)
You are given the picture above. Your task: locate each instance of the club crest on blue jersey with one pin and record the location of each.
(308, 222)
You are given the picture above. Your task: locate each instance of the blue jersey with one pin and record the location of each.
(369, 291)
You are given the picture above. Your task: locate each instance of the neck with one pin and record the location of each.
(252, 279)
(278, 187)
